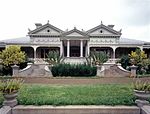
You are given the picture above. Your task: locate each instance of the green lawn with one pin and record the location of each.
(113, 94)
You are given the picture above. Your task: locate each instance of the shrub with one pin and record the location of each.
(141, 85)
(125, 61)
(8, 86)
(12, 55)
(98, 58)
(73, 70)
(53, 57)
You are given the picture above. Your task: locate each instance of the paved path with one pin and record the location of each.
(46, 80)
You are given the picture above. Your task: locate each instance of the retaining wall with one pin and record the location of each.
(76, 110)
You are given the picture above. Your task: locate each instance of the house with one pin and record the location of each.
(75, 45)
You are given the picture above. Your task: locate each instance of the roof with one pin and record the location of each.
(26, 40)
(105, 27)
(75, 30)
(44, 26)
(21, 40)
(130, 41)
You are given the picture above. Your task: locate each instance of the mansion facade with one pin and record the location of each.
(75, 43)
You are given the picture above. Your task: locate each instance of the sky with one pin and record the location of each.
(132, 16)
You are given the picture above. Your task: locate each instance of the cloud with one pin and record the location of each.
(135, 12)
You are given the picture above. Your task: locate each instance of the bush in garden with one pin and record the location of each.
(73, 70)
(10, 56)
(53, 57)
(125, 61)
(98, 58)
(139, 58)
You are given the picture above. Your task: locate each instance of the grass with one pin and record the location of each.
(113, 94)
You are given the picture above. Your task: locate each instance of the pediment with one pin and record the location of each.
(102, 30)
(75, 33)
(46, 29)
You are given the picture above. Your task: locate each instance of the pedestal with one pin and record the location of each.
(133, 71)
(15, 70)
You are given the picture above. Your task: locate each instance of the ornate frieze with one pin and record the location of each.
(103, 40)
(45, 40)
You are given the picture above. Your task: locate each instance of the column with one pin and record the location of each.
(114, 49)
(34, 51)
(81, 48)
(68, 48)
(35, 48)
(61, 48)
(88, 49)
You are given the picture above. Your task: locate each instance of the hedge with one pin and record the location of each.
(73, 70)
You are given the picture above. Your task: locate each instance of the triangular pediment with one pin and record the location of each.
(75, 33)
(102, 30)
(46, 29)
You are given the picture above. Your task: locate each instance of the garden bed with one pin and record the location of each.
(107, 94)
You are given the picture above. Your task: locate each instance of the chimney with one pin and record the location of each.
(111, 26)
(38, 25)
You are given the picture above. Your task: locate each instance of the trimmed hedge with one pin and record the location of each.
(73, 70)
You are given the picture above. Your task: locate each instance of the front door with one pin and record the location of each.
(74, 51)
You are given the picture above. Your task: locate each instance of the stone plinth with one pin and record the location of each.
(133, 71)
(15, 70)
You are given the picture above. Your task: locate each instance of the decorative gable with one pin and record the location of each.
(75, 33)
(102, 30)
(46, 29)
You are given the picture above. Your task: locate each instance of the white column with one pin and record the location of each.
(68, 48)
(34, 51)
(88, 49)
(114, 49)
(35, 48)
(61, 48)
(81, 48)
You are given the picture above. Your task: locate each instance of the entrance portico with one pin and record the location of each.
(74, 48)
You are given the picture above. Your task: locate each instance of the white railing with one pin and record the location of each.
(113, 60)
(39, 60)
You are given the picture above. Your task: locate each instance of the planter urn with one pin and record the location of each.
(10, 99)
(142, 95)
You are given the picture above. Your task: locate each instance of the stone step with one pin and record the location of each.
(75, 60)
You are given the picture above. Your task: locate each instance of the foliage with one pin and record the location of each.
(100, 94)
(73, 70)
(125, 61)
(141, 85)
(53, 57)
(98, 58)
(12, 55)
(137, 57)
(8, 86)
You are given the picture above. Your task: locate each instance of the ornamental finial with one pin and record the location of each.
(101, 22)
(120, 30)
(48, 21)
(29, 30)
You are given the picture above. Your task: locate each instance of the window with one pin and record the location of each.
(48, 30)
(101, 31)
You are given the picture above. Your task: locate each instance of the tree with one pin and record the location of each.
(12, 55)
